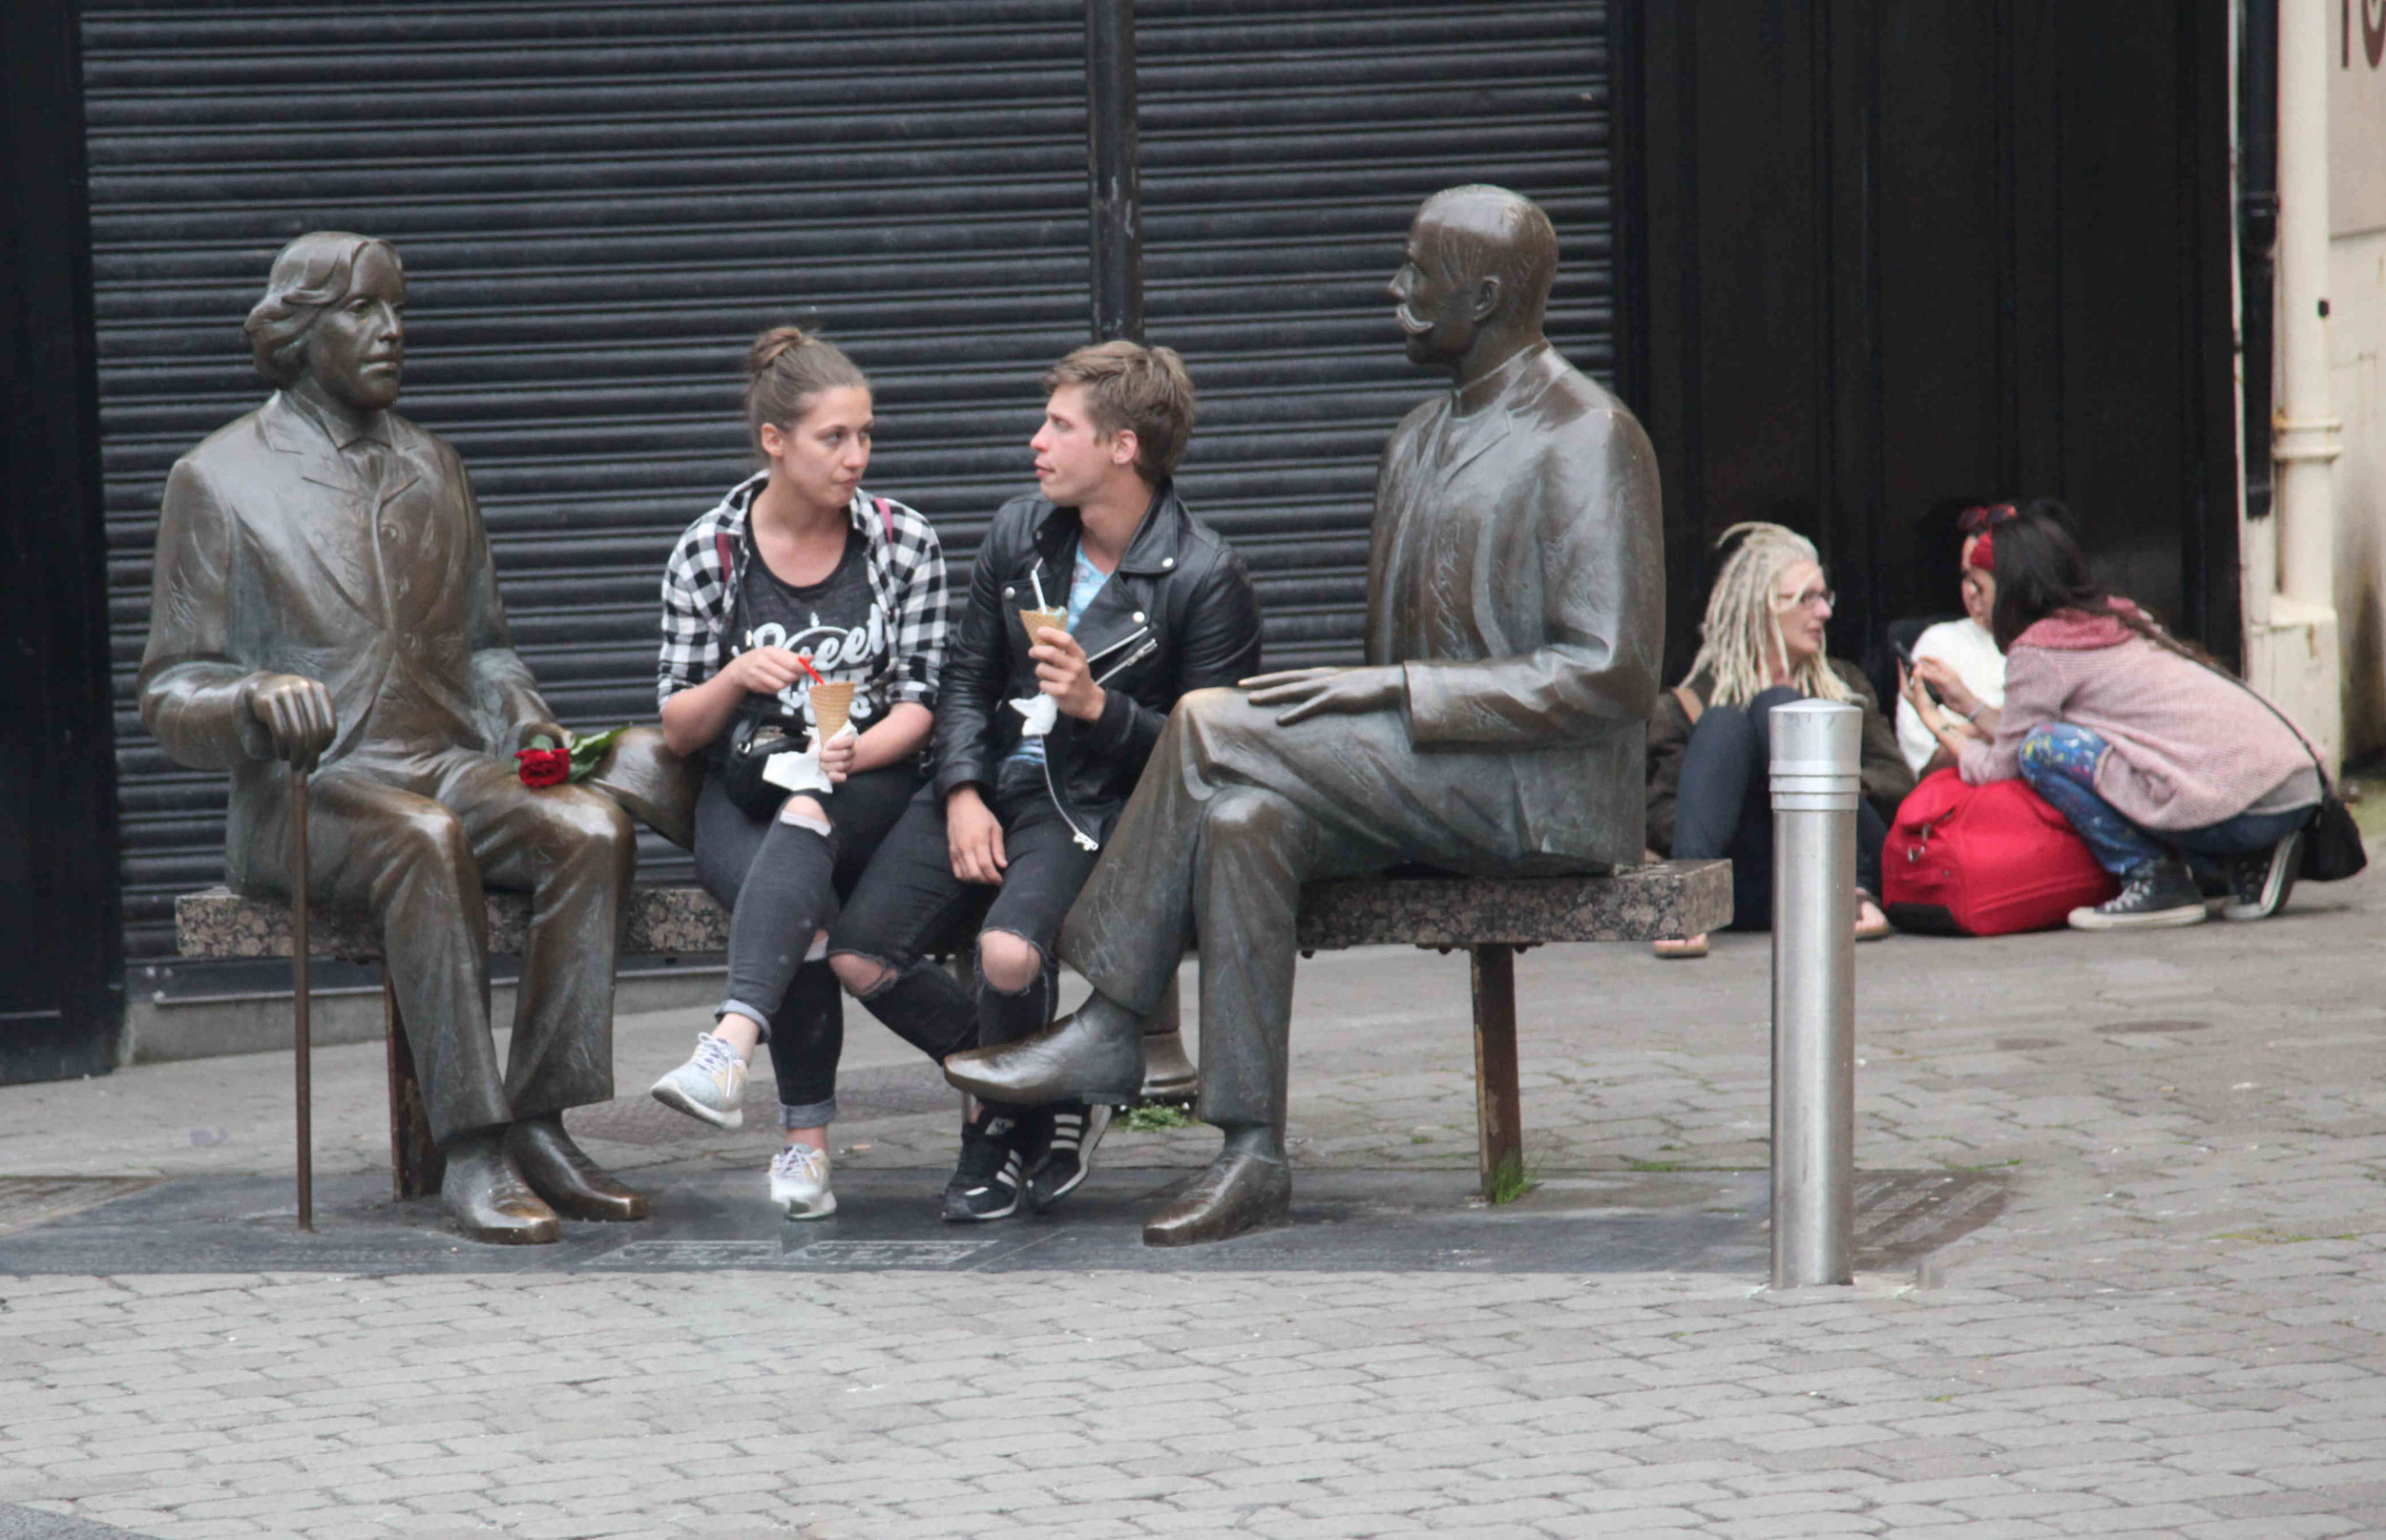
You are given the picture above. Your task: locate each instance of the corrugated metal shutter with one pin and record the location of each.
(598, 204)
(1285, 145)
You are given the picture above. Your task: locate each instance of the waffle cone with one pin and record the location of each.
(832, 701)
(1034, 620)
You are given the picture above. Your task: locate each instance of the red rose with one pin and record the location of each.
(545, 767)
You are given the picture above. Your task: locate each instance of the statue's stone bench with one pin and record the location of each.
(1492, 918)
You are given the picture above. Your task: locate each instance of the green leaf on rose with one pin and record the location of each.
(587, 750)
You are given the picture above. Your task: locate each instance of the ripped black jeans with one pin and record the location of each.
(779, 882)
(910, 906)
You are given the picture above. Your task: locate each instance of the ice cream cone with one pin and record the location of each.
(1034, 620)
(832, 701)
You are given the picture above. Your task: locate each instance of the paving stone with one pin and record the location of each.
(2158, 1333)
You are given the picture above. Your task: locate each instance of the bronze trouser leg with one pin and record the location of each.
(1256, 850)
(1221, 831)
(404, 858)
(1131, 921)
(1359, 789)
(576, 852)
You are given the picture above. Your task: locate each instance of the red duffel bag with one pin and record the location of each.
(1985, 861)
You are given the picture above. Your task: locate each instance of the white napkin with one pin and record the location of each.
(1040, 711)
(799, 770)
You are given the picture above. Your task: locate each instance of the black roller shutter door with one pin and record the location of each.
(598, 205)
(1286, 146)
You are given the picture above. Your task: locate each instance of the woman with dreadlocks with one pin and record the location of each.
(2181, 779)
(1761, 646)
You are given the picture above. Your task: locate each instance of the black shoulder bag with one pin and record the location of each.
(2332, 842)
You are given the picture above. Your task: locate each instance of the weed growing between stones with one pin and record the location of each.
(1510, 1182)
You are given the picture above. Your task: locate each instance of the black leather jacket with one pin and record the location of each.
(1178, 582)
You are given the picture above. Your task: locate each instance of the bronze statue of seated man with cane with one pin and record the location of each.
(324, 600)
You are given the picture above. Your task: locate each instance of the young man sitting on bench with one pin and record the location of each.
(1094, 604)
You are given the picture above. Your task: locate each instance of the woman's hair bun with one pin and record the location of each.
(785, 368)
(771, 344)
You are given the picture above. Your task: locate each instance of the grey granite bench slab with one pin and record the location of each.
(1667, 898)
(220, 923)
(1674, 898)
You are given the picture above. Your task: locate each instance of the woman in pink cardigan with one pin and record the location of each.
(2180, 779)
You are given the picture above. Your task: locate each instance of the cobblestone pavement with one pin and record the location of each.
(2170, 1330)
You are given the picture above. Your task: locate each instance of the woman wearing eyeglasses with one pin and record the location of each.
(1761, 646)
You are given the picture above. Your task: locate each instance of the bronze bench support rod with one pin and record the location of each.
(303, 1039)
(1498, 1104)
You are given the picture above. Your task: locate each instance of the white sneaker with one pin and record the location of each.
(798, 1182)
(711, 1085)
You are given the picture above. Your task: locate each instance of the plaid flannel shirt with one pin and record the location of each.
(907, 577)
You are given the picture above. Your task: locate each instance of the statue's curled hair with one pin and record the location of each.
(312, 272)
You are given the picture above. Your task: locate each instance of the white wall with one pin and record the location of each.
(2357, 343)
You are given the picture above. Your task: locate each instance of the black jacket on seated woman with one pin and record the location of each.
(1710, 790)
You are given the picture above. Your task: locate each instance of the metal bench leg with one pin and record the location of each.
(416, 1165)
(1499, 1104)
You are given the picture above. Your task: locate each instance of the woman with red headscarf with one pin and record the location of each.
(1959, 660)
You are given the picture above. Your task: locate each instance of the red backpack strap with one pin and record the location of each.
(885, 518)
(726, 550)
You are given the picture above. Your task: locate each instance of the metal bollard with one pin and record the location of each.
(1814, 784)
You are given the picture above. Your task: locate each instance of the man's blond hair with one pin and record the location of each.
(1129, 386)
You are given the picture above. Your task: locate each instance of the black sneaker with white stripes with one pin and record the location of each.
(1068, 1160)
(986, 1183)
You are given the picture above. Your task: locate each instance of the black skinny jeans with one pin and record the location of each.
(782, 884)
(910, 905)
(1725, 806)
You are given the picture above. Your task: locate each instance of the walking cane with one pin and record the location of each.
(303, 1039)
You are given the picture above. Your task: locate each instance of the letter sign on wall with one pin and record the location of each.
(2357, 120)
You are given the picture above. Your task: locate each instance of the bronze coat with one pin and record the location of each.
(1518, 580)
(274, 556)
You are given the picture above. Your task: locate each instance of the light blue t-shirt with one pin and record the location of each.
(1085, 581)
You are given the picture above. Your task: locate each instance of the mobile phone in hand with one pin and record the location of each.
(1905, 656)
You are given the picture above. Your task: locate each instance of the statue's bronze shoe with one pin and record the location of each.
(561, 1173)
(1093, 1055)
(1238, 1194)
(488, 1199)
